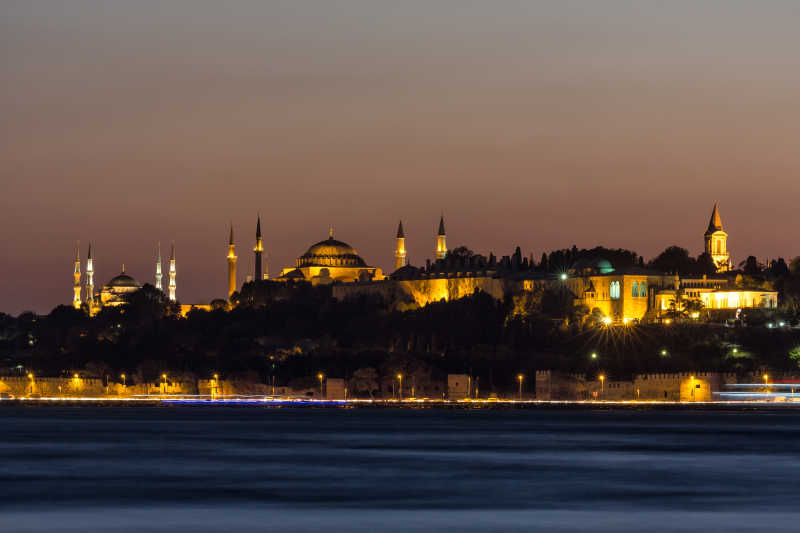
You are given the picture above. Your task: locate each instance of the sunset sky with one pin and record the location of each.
(538, 124)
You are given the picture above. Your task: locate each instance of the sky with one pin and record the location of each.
(537, 124)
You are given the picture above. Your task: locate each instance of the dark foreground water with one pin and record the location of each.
(204, 469)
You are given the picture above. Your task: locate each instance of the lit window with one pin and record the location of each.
(614, 290)
(635, 290)
(643, 289)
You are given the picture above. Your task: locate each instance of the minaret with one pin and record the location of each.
(159, 276)
(400, 248)
(441, 241)
(76, 278)
(259, 250)
(90, 279)
(716, 242)
(172, 273)
(231, 265)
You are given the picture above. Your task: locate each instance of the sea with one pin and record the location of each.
(189, 468)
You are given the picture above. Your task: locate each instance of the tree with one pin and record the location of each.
(364, 380)
(794, 266)
(673, 259)
(750, 266)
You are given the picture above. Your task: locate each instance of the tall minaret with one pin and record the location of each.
(159, 277)
(259, 250)
(716, 242)
(90, 279)
(231, 265)
(441, 241)
(172, 273)
(400, 248)
(76, 278)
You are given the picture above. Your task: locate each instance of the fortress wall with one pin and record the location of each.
(426, 291)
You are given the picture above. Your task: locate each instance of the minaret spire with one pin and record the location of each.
(90, 279)
(159, 276)
(76, 278)
(172, 273)
(259, 249)
(441, 240)
(400, 248)
(231, 265)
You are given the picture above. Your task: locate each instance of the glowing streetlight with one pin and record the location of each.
(520, 378)
(607, 320)
(563, 276)
(664, 353)
(164, 377)
(124, 384)
(594, 355)
(602, 378)
(30, 375)
(766, 380)
(400, 385)
(735, 350)
(75, 375)
(320, 377)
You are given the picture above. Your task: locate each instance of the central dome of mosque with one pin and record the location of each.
(331, 252)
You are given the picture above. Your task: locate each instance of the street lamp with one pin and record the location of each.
(216, 384)
(400, 386)
(164, 377)
(320, 377)
(594, 355)
(602, 378)
(520, 377)
(663, 353)
(124, 384)
(766, 381)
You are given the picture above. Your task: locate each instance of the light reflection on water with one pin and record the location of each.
(212, 468)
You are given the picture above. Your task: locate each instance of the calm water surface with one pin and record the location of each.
(201, 469)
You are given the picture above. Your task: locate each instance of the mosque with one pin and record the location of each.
(620, 295)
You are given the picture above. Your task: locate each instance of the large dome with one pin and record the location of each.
(331, 252)
(123, 280)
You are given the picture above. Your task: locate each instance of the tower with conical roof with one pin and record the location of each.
(400, 248)
(259, 250)
(90, 279)
(441, 241)
(716, 242)
(231, 265)
(76, 278)
(172, 274)
(159, 276)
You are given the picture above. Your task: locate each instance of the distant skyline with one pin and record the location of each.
(531, 124)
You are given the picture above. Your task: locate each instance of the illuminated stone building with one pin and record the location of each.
(231, 265)
(623, 296)
(329, 261)
(116, 291)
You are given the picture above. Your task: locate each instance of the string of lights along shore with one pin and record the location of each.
(624, 294)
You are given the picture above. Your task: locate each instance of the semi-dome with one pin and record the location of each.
(331, 252)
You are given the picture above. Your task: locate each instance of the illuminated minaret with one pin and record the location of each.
(259, 250)
(400, 249)
(231, 265)
(76, 279)
(159, 277)
(90, 279)
(441, 241)
(172, 273)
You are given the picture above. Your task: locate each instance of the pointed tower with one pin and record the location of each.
(400, 248)
(231, 265)
(172, 273)
(441, 241)
(716, 242)
(259, 250)
(90, 279)
(159, 276)
(76, 278)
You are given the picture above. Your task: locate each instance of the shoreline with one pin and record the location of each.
(404, 404)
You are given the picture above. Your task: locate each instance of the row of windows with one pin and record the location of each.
(638, 290)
